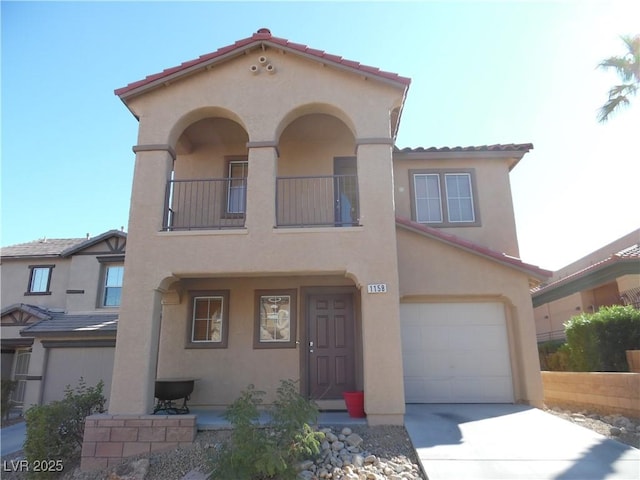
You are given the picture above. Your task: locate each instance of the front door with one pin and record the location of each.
(331, 333)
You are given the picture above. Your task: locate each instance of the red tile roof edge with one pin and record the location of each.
(264, 35)
(472, 247)
(629, 254)
(507, 147)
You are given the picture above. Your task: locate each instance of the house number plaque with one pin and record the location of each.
(377, 288)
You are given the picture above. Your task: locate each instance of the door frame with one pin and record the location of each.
(305, 293)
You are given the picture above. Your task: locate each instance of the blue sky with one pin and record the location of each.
(482, 73)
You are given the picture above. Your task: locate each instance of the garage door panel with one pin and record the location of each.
(65, 366)
(456, 352)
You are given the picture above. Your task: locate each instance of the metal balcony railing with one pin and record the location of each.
(317, 201)
(220, 203)
(209, 204)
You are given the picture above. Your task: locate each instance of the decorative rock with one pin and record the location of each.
(354, 440)
(615, 431)
(346, 431)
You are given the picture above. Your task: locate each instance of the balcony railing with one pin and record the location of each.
(318, 201)
(220, 203)
(217, 203)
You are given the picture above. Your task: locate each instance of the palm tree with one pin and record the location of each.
(627, 67)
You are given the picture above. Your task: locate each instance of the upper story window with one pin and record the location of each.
(39, 280)
(444, 197)
(112, 285)
(237, 191)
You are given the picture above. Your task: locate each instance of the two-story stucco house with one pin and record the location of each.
(60, 301)
(276, 232)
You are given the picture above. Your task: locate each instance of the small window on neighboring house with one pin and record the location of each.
(444, 198)
(112, 285)
(237, 189)
(39, 280)
(209, 320)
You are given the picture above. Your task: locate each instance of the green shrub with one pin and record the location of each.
(7, 386)
(597, 342)
(558, 361)
(546, 351)
(55, 430)
(258, 451)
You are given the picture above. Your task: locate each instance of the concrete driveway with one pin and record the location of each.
(512, 442)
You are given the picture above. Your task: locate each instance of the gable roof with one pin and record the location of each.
(261, 38)
(56, 247)
(624, 262)
(534, 272)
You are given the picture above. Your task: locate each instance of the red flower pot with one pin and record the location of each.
(355, 404)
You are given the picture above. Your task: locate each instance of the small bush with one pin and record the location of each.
(546, 350)
(597, 342)
(55, 430)
(257, 451)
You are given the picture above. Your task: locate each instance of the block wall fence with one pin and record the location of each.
(598, 392)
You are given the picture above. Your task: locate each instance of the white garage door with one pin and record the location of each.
(455, 353)
(65, 366)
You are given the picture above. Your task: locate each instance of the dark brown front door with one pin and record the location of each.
(331, 345)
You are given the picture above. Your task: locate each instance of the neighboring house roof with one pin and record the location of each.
(63, 324)
(533, 271)
(624, 262)
(262, 37)
(514, 151)
(54, 247)
(31, 310)
(46, 247)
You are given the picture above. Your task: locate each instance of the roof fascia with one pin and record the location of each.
(27, 309)
(241, 50)
(513, 155)
(591, 279)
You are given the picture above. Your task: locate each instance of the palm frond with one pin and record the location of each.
(612, 105)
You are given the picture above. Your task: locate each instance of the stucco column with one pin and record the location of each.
(382, 351)
(261, 188)
(139, 318)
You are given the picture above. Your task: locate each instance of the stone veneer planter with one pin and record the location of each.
(108, 439)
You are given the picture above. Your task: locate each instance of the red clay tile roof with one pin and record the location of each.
(509, 147)
(262, 36)
(626, 255)
(472, 247)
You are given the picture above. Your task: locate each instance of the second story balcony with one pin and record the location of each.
(220, 203)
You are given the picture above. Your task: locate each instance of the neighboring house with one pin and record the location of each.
(607, 276)
(60, 301)
(276, 232)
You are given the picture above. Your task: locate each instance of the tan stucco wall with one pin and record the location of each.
(15, 282)
(494, 206)
(551, 316)
(628, 282)
(432, 271)
(264, 105)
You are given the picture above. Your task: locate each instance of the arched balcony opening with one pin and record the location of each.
(317, 181)
(208, 186)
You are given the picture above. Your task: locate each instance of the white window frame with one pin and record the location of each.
(446, 197)
(106, 286)
(449, 197)
(221, 318)
(35, 286)
(427, 198)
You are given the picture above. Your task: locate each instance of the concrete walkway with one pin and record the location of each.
(12, 438)
(512, 442)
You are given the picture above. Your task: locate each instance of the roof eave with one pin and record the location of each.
(130, 91)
